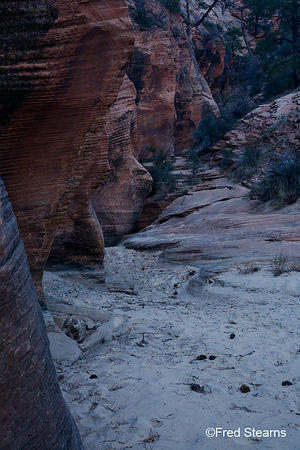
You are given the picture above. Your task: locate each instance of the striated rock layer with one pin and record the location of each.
(118, 202)
(274, 125)
(32, 411)
(53, 151)
(215, 226)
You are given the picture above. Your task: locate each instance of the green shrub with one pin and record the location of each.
(171, 5)
(145, 17)
(210, 130)
(227, 158)
(164, 182)
(281, 186)
(247, 164)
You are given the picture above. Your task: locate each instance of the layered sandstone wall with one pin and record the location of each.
(33, 413)
(160, 103)
(53, 151)
(118, 202)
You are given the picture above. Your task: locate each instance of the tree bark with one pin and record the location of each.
(206, 14)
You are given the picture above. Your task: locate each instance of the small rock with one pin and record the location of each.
(286, 383)
(196, 387)
(142, 343)
(201, 357)
(232, 336)
(93, 376)
(244, 388)
(205, 389)
(212, 357)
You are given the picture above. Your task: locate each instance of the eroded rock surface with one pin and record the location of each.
(274, 124)
(216, 225)
(172, 94)
(53, 151)
(118, 202)
(32, 410)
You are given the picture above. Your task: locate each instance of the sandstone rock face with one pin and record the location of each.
(33, 412)
(172, 95)
(275, 124)
(214, 60)
(53, 151)
(216, 227)
(118, 202)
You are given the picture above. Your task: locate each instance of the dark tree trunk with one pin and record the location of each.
(206, 14)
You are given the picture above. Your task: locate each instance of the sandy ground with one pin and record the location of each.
(139, 377)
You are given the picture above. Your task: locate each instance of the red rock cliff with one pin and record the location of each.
(118, 202)
(172, 94)
(53, 151)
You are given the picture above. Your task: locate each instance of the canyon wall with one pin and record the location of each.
(160, 103)
(120, 199)
(172, 94)
(53, 151)
(33, 413)
(73, 126)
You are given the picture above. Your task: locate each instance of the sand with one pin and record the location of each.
(137, 378)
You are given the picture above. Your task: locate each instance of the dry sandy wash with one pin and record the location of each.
(143, 323)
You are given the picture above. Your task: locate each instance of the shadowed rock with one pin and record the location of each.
(54, 149)
(118, 202)
(33, 414)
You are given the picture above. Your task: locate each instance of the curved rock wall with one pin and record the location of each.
(33, 413)
(118, 202)
(54, 146)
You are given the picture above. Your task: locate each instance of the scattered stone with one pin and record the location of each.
(75, 329)
(196, 387)
(212, 357)
(142, 343)
(244, 388)
(201, 357)
(205, 389)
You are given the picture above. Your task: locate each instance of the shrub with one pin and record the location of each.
(249, 268)
(226, 161)
(171, 5)
(280, 264)
(145, 17)
(281, 186)
(164, 182)
(247, 164)
(210, 130)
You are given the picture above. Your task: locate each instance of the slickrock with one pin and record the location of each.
(218, 227)
(32, 410)
(53, 150)
(118, 202)
(172, 94)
